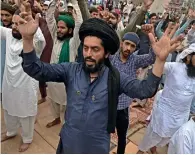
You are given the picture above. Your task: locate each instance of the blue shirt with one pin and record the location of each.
(85, 129)
(130, 67)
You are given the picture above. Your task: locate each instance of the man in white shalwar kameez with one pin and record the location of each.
(172, 109)
(56, 91)
(19, 91)
(183, 141)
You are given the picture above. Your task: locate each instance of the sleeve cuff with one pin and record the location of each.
(153, 78)
(29, 58)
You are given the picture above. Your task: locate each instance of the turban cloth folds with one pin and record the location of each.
(100, 29)
(67, 19)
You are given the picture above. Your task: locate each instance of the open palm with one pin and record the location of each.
(27, 25)
(165, 45)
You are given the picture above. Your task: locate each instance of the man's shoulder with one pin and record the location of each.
(188, 128)
(7, 30)
(72, 66)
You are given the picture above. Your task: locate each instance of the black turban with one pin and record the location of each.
(7, 7)
(99, 28)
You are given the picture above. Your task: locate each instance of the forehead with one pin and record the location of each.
(62, 23)
(94, 12)
(129, 42)
(92, 41)
(5, 12)
(112, 15)
(154, 17)
(15, 18)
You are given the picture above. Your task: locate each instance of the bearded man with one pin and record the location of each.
(19, 91)
(93, 87)
(172, 109)
(66, 41)
(7, 12)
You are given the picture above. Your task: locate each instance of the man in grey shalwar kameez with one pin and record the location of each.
(88, 126)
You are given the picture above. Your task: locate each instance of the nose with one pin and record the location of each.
(89, 52)
(14, 26)
(58, 30)
(129, 47)
(3, 17)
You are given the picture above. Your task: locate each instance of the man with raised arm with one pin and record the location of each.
(92, 87)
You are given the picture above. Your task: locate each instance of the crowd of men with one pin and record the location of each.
(92, 62)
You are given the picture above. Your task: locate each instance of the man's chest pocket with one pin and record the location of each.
(77, 96)
(100, 97)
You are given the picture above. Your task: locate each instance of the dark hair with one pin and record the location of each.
(115, 14)
(93, 9)
(185, 59)
(70, 7)
(192, 22)
(7, 7)
(152, 15)
(17, 12)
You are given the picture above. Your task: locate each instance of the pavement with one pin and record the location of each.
(46, 140)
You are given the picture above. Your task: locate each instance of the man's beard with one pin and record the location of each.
(61, 38)
(93, 68)
(7, 26)
(16, 35)
(114, 26)
(191, 70)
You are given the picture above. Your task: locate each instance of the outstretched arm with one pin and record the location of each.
(50, 18)
(136, 19)
(181, 30)
(31, 64)
(84, 9)
(139, 89)
(145, 59)
(162, 48)
(41, 71)
(158, 30)
(39, 42)
(75, 41)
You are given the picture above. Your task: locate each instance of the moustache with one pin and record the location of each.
(89, 59)
(15, 31)
(110, 23)
(127, 51)
(5, 20)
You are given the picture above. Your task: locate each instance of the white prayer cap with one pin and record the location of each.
(47, 3)
(62, 2)
(70, 5)
(186, 52)
(61, 6)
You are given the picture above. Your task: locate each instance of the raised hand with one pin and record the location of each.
(148, 28)
(165, 45)
(28, 26)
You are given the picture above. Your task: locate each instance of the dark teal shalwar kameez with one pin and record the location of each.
(86, 117)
